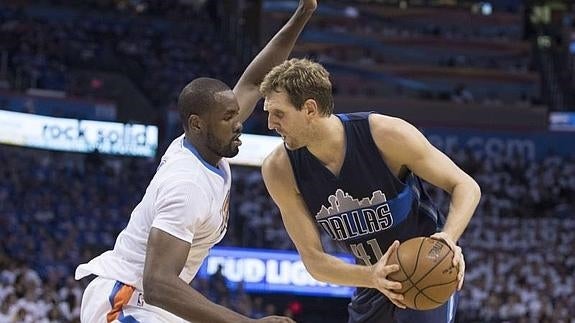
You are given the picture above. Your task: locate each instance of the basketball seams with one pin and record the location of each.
(401, 268)
(417, 258)
(422, 291)
(434, 266)
(408, 277)
(419, 297)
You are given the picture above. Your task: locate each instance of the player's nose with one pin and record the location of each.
(238, 127)
(271, 123)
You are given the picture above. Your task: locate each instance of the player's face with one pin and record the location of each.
(285, 119)
(224, 129)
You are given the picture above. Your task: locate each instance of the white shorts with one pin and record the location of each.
(107, 300)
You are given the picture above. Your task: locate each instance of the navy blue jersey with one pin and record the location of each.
(366, 207)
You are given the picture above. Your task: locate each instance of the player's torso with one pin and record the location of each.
(178, 164)
(215, 183)
(365, 207)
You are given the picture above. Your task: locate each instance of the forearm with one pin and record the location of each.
(330, 269)
(278, 48)
(274, 53)
(464, 199)
(177, 297)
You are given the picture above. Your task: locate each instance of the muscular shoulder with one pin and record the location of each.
(397, 139)
(276, 169)
(390, 128)
(276, 161)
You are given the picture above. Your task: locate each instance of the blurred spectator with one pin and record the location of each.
(59, 208)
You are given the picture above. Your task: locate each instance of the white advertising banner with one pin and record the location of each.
(30, 130)
(254, 149)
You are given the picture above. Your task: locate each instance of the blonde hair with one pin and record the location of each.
(301, 79)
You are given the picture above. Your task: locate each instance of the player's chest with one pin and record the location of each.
(215, 224)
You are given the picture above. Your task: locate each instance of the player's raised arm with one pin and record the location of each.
(279, 180)
(275, 52)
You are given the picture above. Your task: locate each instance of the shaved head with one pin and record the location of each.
(199, 97)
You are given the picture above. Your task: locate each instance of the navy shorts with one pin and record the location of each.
(371, 306)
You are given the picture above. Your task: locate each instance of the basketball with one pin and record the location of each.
(426, 272)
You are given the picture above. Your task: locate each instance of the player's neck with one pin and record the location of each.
(327, 142)
(203, 152)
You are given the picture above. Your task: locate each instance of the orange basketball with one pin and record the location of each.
(426, 272)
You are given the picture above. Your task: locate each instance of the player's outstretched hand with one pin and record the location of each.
(308, 4)
(458, 260)
(276, 319)
(380, 281)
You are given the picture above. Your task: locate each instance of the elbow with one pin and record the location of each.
(476, 191)
(152, 290)
(469, 188)
(312, 267)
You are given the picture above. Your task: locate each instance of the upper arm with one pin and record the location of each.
(180, 206)
(280, 182)
(161, 264)
(401, 144)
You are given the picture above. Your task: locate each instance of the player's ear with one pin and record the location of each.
(310, 107)
(195, 123)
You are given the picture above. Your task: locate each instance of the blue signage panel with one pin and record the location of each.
(562, 121)
(502, 144)
(269, 271)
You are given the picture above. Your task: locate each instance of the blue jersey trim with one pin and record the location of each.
(115, 291)
(127, 319)
(342, 117)
(401, 205)
(209, 166)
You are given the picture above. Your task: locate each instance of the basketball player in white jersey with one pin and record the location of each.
(184, 211)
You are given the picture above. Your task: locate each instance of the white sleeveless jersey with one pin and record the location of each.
(187, 198)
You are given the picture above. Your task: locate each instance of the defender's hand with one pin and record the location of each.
(379, 277)
(458, 260)
(308, 4)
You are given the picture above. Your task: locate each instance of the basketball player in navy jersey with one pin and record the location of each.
(356, 176)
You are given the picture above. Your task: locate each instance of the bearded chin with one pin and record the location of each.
(224, 150)
(231, 151)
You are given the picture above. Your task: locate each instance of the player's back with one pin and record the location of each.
(365, 207)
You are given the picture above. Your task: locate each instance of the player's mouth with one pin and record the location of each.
(281, 135)
(236, 140)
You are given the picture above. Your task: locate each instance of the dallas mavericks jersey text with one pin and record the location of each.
(357, 218)
(366, 207)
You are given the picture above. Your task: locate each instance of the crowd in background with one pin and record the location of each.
(164, 44)
(60, 209)
(46, 45)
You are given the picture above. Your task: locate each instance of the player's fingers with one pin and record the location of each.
(457, 255)
(445, 238)
(393, 246)
(461, 273)
(397, 303)
(389, 284)
(386, 270)
(391, 295)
